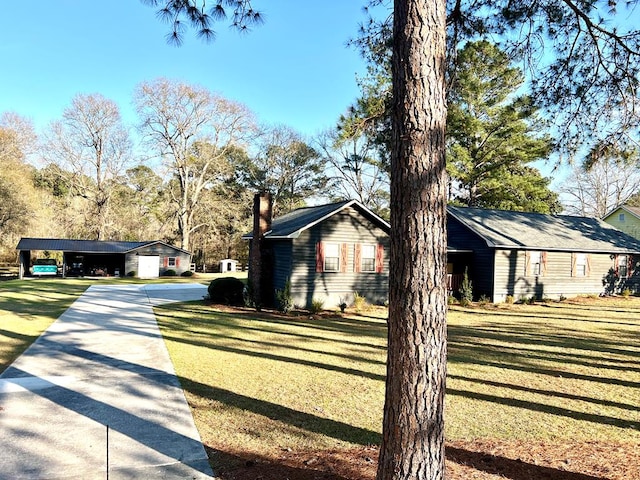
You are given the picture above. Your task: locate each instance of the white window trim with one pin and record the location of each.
(624, 265)
(327, 245)
(535, 259)
(363, 257)
(581, 268)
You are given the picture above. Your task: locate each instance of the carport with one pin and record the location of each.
(107, 258)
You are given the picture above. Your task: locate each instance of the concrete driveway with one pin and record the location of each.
(96, 396)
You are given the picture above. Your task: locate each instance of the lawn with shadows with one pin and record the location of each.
(548, 391)
(28, 307)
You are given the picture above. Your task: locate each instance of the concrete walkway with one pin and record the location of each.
(96, 396)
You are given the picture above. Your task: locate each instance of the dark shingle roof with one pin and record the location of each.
(81, 246)
(500, 228)
(293, 223)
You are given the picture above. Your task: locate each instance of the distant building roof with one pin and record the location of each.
(293, 223)
(635, 211)
(84, 246)
(506, 229)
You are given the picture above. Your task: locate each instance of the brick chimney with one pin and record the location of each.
(262, 213)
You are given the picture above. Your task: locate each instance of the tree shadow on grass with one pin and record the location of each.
(557, 394)
(549, 409)
(242, 466)
(358, 465)
(305, 421)
(509, 468)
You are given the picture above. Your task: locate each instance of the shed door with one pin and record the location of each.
(148, 266)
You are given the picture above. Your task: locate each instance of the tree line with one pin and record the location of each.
(204, 156)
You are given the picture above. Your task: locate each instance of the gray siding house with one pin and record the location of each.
(544, 256)
(108, 258)
(327, 252)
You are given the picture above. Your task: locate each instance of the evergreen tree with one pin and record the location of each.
(491, 135)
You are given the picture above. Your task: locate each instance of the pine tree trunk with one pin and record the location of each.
(413, 427)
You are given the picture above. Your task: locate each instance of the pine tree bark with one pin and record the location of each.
(413, 426)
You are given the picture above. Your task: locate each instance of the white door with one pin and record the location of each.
(148, 266)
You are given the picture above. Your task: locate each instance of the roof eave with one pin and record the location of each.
(298, 232)
(470, 227)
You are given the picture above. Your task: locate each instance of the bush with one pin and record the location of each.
(359, 302)
(283, 297)
(317, 305)
(483, 301)
(187, 273)
(466, 290)
(247, 295)
(509, 299)
(169, 273)
(132, 273)
(626, 293)
(226, 290)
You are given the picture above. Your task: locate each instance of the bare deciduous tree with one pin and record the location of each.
(357, 171)
(18, 198)
(192, 131)
(285, 165)
(92, 148)
(595, 191)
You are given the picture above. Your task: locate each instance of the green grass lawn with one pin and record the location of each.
(28, 307)
(261, 383)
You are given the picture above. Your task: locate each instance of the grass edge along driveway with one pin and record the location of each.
(28, 308)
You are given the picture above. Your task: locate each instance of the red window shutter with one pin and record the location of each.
(527, 263)
(166, 262)
(357, 257)
(574, 260)
(379, 258)
(543, 261)
(177, 261)
(630, 266)
(588, 272)
(344, 254)
(319, 257)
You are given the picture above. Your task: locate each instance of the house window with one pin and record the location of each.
(621, 217)
(171, 262)
(581, 265)
(536, 263)
(368, 258)
(331, 257)
(623, 266)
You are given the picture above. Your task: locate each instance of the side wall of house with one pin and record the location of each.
(348, 228)
(480, 268)
(281, 252)
(165, 252)
(556, 280)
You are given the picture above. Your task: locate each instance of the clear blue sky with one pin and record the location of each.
(294, 69)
